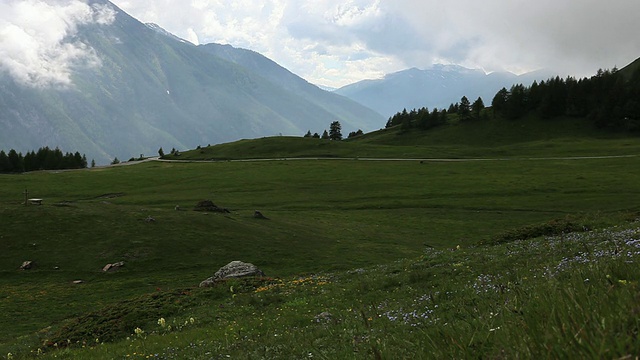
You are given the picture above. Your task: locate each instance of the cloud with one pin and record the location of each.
(335, 42)
(36, 46)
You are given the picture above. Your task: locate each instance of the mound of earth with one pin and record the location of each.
(208, 205)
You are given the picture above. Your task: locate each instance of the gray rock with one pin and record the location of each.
(324, 317)
(26, 265)
(234, 269)
(113, 267)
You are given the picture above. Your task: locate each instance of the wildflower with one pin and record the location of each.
(9, 356)
(192, 320)
(162, 322)
(139, 332)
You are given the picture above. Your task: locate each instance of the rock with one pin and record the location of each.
(77, 282)
(324, 317)
(234, 269)
(26, 265)
(113, 267)
(208, 205)
(258, 215)
(149, 219)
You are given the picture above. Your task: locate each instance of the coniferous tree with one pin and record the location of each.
(464, 109)
(476, 108)
(15, 161)
(355, 133)
(500, 100)
(325, 135)
(4, 162)
(335, 131)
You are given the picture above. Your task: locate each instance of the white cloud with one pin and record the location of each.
(335, 42)
(35, 45)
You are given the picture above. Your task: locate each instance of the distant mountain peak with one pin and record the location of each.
(437, 86)
(160, 30)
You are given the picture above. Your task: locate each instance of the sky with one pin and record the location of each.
(339, 42)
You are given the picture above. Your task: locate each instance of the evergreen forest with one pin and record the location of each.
(608, 100)
(44, 159)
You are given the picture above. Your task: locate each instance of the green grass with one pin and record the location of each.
(336, 232)
(487, 138)
(570, 295)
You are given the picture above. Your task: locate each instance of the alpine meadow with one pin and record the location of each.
(499, 228)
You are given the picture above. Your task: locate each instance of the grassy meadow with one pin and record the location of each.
(532, 255)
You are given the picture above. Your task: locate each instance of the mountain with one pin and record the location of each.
(153, 89)
(438, 87)
(343, 107)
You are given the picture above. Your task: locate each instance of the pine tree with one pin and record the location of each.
(477, 107)
(464, 109)
(335, 131)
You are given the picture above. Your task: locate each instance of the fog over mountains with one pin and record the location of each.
(138, 88)
(436, 87)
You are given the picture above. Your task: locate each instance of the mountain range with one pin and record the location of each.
(436, 87)
(155, 90)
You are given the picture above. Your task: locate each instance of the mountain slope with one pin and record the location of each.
(346, 108)
(629, 70)
(155, 90)
(436, 87)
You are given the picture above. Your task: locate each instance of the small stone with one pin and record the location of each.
(113, 267)
(324, 317)
(78, 282)
(26, 265)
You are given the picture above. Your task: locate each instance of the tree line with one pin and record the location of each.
(424, 119)
(334, 133)
(44, 159)
(607, 99)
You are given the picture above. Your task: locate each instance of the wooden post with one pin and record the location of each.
(26, 197)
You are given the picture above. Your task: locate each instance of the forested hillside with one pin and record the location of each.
(608, 100)
(44, 159)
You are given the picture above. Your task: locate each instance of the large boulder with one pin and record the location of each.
(233, 270)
